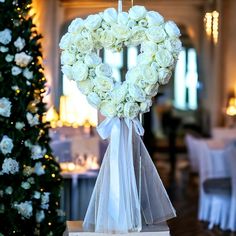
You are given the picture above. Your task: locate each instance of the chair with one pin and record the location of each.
(204, 208)
(62, 149)
(192, 152)
(232, 164)
(215, 186)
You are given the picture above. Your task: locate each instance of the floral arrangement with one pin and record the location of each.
(160, 46)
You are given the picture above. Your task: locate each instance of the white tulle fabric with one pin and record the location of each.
(128, 188)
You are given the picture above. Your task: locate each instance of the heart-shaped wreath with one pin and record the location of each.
(160, 46)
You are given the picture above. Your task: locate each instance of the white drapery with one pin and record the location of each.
(128, 189)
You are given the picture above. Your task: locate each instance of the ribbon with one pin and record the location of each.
(121, 143)
(117, 199)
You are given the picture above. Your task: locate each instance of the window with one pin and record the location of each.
(186, 80)
(121, 61)
(77, 107)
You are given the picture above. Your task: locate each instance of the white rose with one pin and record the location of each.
(28, 144)
(103, 70)
(85, 86)
(145, 106)
(92, 60)
(164, 75)
(6, 145)
(94, 99)
(67, 58)
(173, 45)
(32, 119)
(93, 22)
(79, 71)
(76, 25)
(38, 170)
(67, 71)
(121, 32)
(133, 75)
(120, 110)
(9, 58)
(84, 44)
(137, 35)
(123, 18)
(154, 18)
(25, 185)
(25, 209)
(28, 74)
(119, 92)
(103, 83)
(5, 36)
(149, 47)
(15, 87)
(15, 70)
(9, 190)
(131, 23)
(5, 107)
(149, 74)
(131, 110)
(22, 59)
(37, 152)
(110, 15)
(65, 41)
(10, 166)
(137, 12)
(40, 216)
(164, 58)
(19, 43)
(144, 59)
(108, 109)
(37, 194)
(45, 198)
(31, 180)
(152, 89)
(171, 29)
(107, 39)
(156, 34)
(4, 49)
(19, 125)
(137, 93)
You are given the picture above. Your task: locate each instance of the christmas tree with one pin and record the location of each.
(30, 180)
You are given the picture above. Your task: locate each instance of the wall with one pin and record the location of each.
(48, 19)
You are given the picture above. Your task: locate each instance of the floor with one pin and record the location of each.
(183, 191)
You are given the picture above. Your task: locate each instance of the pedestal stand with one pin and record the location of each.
(74, 228)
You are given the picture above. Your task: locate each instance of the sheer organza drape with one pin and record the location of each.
(128, 185)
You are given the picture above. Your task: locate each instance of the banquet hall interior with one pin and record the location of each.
(190, 131)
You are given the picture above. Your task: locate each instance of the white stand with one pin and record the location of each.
(74, 228)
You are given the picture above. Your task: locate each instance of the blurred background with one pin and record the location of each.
(190, 130)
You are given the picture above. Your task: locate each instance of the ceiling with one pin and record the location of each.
(147, 3)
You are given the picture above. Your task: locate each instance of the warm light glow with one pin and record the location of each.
(231, 109)
(88, 163)
(211, 20)
(71, 166)
(208, 23)
(215, 23)
(78, 110)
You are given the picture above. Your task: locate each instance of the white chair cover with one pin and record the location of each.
(232, 163)
(213, 208)
(204, 209)
(128, 183)
(191, 144)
